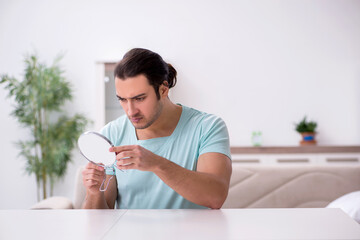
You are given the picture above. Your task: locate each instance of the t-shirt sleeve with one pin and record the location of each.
(105, 131)
(215, 137)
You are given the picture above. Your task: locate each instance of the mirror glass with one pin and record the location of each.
(95, 148)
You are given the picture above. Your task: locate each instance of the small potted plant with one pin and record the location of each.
(307, 131)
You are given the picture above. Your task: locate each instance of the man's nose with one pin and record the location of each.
(132, 110)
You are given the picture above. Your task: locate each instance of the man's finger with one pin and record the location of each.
(126, 166)
(122, 148)
(124, 154)
(91, 165)
(91, 183)
(124, 161)
(89, 175)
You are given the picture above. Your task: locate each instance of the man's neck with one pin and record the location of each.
(165, 125)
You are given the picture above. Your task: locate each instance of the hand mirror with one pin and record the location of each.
(95, 148)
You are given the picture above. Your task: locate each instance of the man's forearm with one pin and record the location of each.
(201, 188)
(95, 201)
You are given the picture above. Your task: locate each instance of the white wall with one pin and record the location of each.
(261, 65)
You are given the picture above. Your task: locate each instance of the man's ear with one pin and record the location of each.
(164, 89)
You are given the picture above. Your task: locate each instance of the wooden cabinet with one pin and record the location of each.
(297, 155)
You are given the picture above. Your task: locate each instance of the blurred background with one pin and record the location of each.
(260, 65)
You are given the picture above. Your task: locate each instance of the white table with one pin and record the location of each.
(178, 224)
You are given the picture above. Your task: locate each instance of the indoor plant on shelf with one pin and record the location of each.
(38, 100)
(307, 131)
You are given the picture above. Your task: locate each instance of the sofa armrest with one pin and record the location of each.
(54, 203)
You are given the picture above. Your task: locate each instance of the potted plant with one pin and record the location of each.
(307, 131)
(38, 100)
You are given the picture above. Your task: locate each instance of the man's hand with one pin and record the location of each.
(207, 186)
(93, 176)
(136, 157)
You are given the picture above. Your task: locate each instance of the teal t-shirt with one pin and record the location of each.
(196, 133)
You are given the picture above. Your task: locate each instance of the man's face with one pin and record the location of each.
(139, 101)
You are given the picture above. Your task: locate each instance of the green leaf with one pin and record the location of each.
(39, 98)
(305, 126)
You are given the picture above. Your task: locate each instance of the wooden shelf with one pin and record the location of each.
(295, 149)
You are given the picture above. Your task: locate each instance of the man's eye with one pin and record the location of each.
(139, 99)
(122, 99)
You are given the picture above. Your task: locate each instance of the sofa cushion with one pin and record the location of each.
(289, 186)
(54, 203)
(349, 203)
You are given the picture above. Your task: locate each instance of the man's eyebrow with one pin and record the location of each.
(137, 96)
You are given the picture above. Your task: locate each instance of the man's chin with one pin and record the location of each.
(142, 123)
(139, 125)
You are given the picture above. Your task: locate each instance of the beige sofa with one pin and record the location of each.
(259, 186)
(289, 186)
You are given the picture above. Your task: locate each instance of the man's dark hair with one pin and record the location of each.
(143, 61)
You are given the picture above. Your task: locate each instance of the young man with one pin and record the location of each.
(168, 155)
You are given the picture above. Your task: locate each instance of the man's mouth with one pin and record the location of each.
(135, 119)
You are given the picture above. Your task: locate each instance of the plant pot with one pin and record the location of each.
(308, 138)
